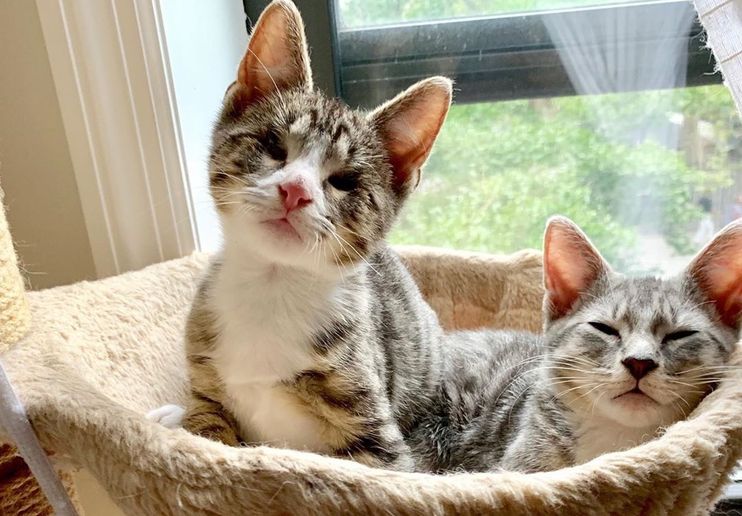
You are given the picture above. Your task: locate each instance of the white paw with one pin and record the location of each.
(169, 416)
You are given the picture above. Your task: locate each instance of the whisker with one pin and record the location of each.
(339, 239)
(595, 402)
(681, 398)
(585, 395)
(515, 401)
(678, 382)
(560, 394)
(710, 368)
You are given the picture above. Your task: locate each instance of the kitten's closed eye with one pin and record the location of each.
(604, 328)
(344, 181)
(677, 335)
(273, 146)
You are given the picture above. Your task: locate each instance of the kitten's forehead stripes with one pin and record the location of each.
(340, 130)
(660, 322)
(302, 125)
(720, 346)
(332, 125)
(638, 303)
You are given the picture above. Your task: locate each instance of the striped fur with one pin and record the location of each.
(313, 337)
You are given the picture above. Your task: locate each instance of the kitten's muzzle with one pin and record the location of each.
(639, 367)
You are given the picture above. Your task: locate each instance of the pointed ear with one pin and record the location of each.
(409, 124)
(717, 271)
(571, 265)
(276, 58)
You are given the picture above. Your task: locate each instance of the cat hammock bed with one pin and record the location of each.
(99, 355)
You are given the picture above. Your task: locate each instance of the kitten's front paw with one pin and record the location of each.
(169, 416)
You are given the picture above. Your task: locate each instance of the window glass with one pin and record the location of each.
(367, 13)
(198, 95)
(648, 175)
(644, 153)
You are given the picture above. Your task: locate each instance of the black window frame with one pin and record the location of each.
(492, 58)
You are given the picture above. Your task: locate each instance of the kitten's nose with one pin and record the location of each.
(639, 367)
(294, 194)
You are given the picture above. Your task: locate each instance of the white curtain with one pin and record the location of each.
(626, 60)
(623, 65)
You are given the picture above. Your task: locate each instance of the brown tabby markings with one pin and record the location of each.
(206, 415)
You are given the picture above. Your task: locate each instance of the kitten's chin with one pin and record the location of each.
(283, 245)
(276, 242)
(282, 231)
(636, 409)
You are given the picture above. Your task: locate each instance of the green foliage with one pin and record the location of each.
(619, 165)
(500, 170)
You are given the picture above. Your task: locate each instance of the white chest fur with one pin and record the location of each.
(267, 317)
(600, 436)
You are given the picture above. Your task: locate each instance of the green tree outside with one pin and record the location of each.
(620, 165)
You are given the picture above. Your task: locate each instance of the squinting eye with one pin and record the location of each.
(604, 328)
(271, 142)
(343, 182)
(677, 335)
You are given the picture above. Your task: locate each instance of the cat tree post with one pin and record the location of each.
(20, 493)
(14, 313)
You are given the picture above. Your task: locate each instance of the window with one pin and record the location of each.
(609, 114)
(355, 14)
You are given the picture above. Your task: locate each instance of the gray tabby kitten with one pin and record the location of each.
(308, 332)
(620, 359)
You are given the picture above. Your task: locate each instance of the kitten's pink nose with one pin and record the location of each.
(639, 367)
(294, 194)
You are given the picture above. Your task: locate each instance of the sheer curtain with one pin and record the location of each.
(616, 51)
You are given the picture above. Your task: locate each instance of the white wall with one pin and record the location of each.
(36, 171)
(205, 43)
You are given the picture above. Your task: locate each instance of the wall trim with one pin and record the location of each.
(112, 77)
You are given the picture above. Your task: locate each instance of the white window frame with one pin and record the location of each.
(110, 66)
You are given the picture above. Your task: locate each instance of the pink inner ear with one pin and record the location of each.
(405, 160)
(260, 71)
(717, 270)
(732, 306)
(562, 295)
(275, 59)
(409, 125)
(567, 275)
(722, 283)
(571, 265)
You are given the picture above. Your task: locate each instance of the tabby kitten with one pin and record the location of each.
(620, 359)
(308, 332)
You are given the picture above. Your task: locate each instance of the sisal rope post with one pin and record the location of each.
(20, 493)
(15, 316)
